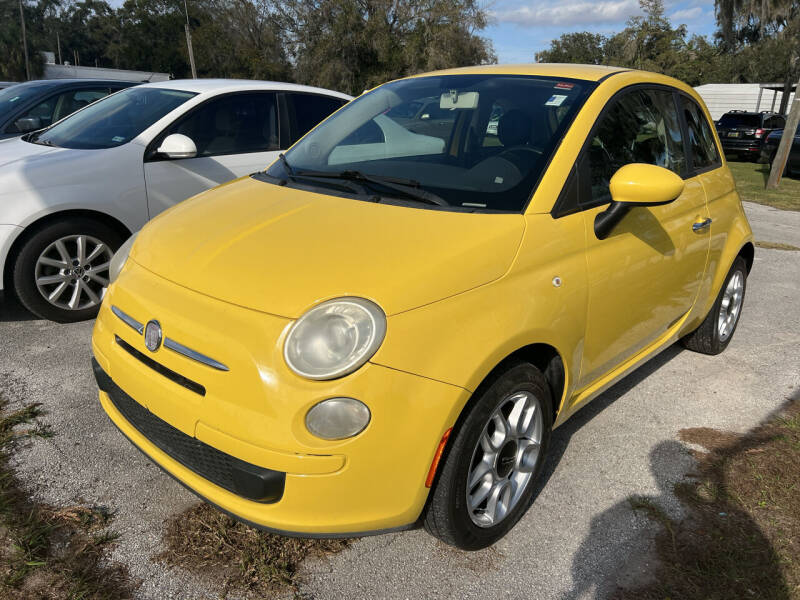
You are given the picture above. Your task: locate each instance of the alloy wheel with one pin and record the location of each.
(72, 272)
(504, 459)
(731, 306)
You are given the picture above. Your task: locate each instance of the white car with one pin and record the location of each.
(72, 193)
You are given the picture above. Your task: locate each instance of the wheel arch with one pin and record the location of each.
(545, 357)
(748, 253)
(46, 220)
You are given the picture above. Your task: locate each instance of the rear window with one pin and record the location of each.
(740, 120)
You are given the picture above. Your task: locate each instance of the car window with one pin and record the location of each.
(732, 120)
(234, 124)
(701, 139)
(430, 131)
(307, 110)
(640, 127)
(113, 120)
(74, 100)
(43, 111)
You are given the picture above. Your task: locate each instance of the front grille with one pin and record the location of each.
(228, 472)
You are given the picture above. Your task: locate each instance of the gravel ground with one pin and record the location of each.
(579, 540)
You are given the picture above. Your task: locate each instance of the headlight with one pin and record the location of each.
(335, 338)
(119, 258)
(337, 418)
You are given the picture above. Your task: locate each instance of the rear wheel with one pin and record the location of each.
(486, 482)
(716, 331)
(61, 269)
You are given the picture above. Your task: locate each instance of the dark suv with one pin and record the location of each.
(743, 133)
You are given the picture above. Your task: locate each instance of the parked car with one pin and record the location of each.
(771, 148)
(743, 133)
(72, 193)
(330, 348)
(32, 105)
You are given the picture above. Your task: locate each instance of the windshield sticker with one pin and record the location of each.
(117, 138)
(562, 85)
(555, 100)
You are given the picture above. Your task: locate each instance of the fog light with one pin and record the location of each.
(337, 418)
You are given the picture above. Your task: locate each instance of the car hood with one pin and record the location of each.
(281, 250)
(24, 165)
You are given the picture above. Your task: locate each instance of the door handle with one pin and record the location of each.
(699, 225)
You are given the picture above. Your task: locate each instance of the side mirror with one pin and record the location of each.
(637, 184)
(177, 145)
(26, 124)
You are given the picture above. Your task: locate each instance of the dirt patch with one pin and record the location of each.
(212, 545)
(776, 246)
(49, 553)
(741, 538)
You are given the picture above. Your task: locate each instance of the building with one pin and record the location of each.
(722, 97)
(68, 71)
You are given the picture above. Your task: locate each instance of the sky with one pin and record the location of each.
(520, 28)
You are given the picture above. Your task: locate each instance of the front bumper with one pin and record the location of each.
(254, 413)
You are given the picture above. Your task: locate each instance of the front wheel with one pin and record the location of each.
(486, 482)
(716, 330)
(61, 270)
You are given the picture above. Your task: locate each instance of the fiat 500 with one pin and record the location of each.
(383, 328)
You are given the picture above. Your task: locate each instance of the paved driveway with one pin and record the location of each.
(579, 539)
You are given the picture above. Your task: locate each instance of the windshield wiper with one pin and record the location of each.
(408, 187)
(289, 168)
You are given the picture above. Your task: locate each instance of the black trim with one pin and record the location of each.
(246, 480)
(607, 75)
(190, 385)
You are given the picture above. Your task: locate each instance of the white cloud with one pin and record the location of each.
(687, 14)
(540, 14)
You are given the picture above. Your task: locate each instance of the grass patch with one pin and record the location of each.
(776, 246)
(751, 179)
(741, 538)
(211, 544)
(48, 553)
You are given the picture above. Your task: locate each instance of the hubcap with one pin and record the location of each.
(504, 459)
(72, 272)
(731, 306)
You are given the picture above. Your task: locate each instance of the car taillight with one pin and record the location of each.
(759, 133)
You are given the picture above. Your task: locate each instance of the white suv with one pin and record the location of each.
(72, 193)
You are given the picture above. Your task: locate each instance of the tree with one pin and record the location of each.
(582, 47)
(352, 45)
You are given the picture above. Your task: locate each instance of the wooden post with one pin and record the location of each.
(24, 42)
(785, 145)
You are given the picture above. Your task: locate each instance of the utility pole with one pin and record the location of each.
(189, 40)
(58, 43)
(785, 145)
(24, 41)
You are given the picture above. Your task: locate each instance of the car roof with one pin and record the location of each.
(215, 86)
(567, 71)
(52, 83)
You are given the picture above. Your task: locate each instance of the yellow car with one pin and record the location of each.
(383, 328)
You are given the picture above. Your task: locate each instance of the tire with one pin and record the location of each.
(448, 515)
(709, 338)
(45, 266)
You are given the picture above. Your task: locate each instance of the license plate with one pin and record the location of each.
(733, 134)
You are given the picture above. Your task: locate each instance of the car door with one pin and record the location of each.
(644, 277)
(235, 135)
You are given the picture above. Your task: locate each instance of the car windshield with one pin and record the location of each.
(734, 120)
(114, 120)
(17, 95)
(463, 142)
